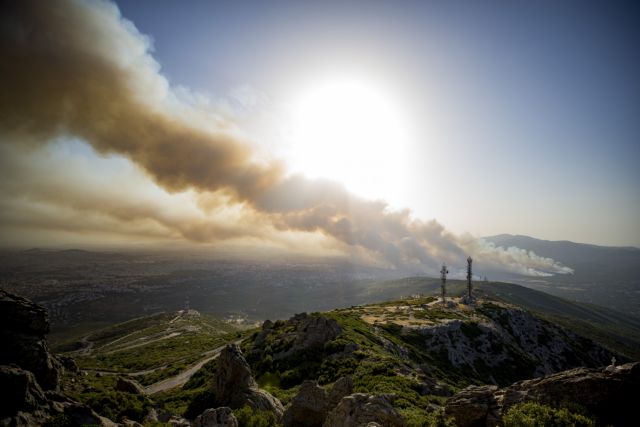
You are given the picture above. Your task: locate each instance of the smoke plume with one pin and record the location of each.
(77, 69)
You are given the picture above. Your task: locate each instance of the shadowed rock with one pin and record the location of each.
(361, 409)
(235, 387)
(609, 394)
(29, 375)
(24, 326)
(130, 386)
(309, 408)
(220, 417)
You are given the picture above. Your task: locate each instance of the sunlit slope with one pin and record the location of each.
(155, 347)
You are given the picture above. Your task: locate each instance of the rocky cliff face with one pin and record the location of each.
(24, 326)
(30, 374)
(500, 343)
(608, 394)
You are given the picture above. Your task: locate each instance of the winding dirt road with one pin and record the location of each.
(184, 376)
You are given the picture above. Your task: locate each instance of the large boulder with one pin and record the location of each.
(24, 326)
(130, 386)
(219, 417)
(361, 409)
(20, 393)
(235, 387)
(312, 404)
(308, 408)
(314, 331)
(608, 394)
(474, 406)
(341, 388)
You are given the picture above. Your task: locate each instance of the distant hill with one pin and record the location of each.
(603, 275)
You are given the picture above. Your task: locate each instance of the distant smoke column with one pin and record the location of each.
(469, 274)
(443, 276)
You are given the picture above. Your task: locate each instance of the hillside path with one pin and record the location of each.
(184, 376)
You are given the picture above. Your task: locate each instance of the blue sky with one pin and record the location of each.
(535, 105)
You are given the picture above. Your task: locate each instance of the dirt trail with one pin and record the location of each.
(184, 376)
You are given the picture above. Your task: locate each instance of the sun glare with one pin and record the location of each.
(350, 130)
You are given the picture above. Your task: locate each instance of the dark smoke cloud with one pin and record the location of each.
(78, 69)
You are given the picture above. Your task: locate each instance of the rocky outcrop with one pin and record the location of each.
(314, 331)
(29, 374)
(235, 387)
(20, 394)
(220, 417)
(361, 409)
(24, 326)
(475, 406)
(301, 332)
(341, 388)
(511, 343)
(130, 386)
(608, 394)
(309, 408)
(24, 403)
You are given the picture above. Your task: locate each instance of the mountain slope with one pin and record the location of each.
(610, 327)
(607, 276)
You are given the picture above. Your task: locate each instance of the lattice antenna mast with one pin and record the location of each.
(443, 276)
(186, 304)
(469, 275)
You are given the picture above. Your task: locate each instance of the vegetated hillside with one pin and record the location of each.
(397, 363)
(612, 328)
(415, 349)
(154, 347)
(607, 276)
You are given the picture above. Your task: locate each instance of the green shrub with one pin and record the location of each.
(247, 417)
(532, 414)
(200, 402)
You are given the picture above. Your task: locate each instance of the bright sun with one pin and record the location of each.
(349, 130)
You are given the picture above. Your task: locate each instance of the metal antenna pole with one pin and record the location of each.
(469, 275)
(443, 276)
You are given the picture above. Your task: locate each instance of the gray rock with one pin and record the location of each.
(314, 331)
(308, 408)
(360, 409)
(29, 375)
(24, 325)
(608, 394)
(341, 388)
(474, 406)
(130, 386)
(176, 421)
(233, 373)
(20, 392)
(235, 387)
(220, 417)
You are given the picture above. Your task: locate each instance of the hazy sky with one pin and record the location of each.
(395, 132)
(526, 115)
